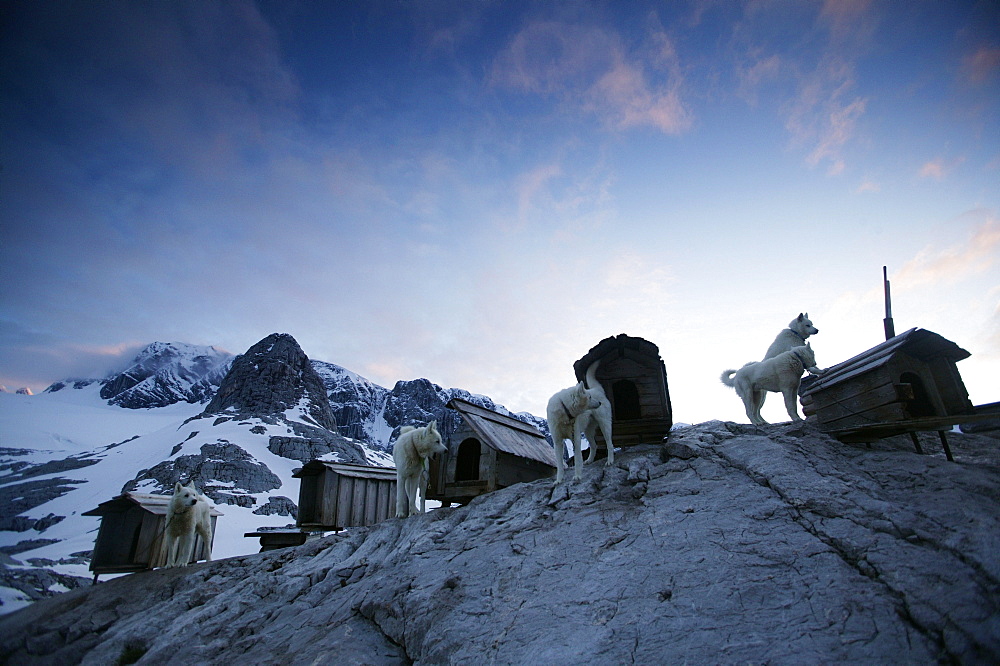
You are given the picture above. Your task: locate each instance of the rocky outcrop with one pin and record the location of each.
(372, 414)
(734, 544)
(417, 402)
(165, 373)
(22, 490)
(356, 402)
(280, 505)
(272, 377)
(222, 470)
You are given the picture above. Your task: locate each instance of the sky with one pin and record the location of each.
(478, 192)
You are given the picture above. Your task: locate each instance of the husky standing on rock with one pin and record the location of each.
(188, 514)
(795, 335)
(564, 411)
(598, 417)
(779, 374)
(412, 453)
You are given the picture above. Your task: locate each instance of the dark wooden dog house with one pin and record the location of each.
(335, 495)
(634, 378)
(906, 384)
(131, 534)
(487, 452)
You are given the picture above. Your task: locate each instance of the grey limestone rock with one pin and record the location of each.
(279, 505)
(774, 544)
(221, 461)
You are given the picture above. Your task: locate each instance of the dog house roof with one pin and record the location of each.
(505, 433)
(155, 504)
(919, 343)
(616, 343)
(346, 469)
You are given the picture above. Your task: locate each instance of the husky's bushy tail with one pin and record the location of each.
(592, 375)
(728, 378)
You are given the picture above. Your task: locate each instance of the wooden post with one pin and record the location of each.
(890, 328)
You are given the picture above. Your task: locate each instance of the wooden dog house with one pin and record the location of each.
(906, 384)
(488, 451)
(335, 495)
(634, 378)
(131, 534)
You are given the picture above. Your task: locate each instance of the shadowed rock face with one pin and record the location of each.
(271, 377)
(731, 544)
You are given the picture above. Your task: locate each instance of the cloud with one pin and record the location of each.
(588, 68)
(530, 186)
(977, 254)
(939, 168)
(868, 186)
(983, 65)
(761, 70)
(824, 114)
(846, 18)
(812, 77)
(24, 350)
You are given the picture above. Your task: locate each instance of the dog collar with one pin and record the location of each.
(569, 414)
(800, 359)
(798, 335)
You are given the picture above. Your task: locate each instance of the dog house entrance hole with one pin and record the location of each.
(626, 400)
(467, 463)
(921, 404)
(134, 548)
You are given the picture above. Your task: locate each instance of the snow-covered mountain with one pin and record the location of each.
(237, 426)
(165, 373)
(24, 390)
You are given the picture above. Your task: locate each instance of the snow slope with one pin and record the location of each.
(77, 423)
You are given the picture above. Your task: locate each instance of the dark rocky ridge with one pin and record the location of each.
(373, 414)
(731, 544)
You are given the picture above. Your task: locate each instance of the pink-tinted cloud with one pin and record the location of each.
(588, 68)
(939, 168)
(823, 114)
(977, 254)
(983, 65)
(868, 186)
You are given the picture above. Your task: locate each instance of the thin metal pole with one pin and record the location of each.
(890, 328)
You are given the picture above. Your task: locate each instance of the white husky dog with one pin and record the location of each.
(598, 417)
(795, 335)
(780, 374)
(188, 513)
(412, 453)
(563, 412)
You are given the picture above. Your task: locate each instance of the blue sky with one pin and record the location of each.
(478, 192)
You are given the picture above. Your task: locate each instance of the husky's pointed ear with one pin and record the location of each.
(432, 425)
(801, 316)
(178, 487)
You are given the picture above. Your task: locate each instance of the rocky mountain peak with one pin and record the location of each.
(272, 377)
